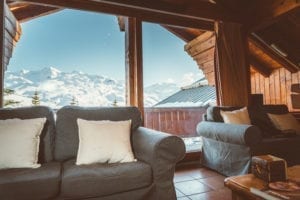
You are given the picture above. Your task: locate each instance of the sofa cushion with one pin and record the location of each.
(47, 136)
(104, 141)
(67, 140)
(95, 180)
(19, 142)
(285, 122)
(31, 184)
(240, 116)
(213, 112)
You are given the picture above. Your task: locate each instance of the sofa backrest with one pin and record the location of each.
(47, 136)
(276, 109)
(67, 140)
(213, 112)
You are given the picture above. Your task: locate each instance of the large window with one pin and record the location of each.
(70, 57)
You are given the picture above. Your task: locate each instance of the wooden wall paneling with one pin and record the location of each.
(272, 89)
(267, 99)
(261, 84)
(283, 91)
(277, 87)
(205, 56)
(288, 78)
(252, 84)
(257, 85)
(2, 49)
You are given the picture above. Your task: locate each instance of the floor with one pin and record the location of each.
(199, 183)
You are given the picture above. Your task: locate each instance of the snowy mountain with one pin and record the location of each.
(57, 89)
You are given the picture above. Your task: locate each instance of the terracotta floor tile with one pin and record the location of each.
(215, 182)
(201, 173)
(192, 187)
(223, 194)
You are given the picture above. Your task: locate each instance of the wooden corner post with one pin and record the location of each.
(2, 48)
(232, 67)
(134, 63)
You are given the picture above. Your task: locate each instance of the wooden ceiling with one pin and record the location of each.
(273, 25)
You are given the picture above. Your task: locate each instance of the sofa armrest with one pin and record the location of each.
(161, 150)
(230, 133)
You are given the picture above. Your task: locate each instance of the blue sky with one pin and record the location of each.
(92, 43)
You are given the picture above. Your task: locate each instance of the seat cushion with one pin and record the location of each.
(40, 183)
(95, 180)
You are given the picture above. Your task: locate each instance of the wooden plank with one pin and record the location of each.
(143, 10)
(267, 91)
(205, 56)
(252, 84)
(277, 87)
(201, 38)
(288, 78)
(2, 49)
(257, 41)
(272, 89)
(257, 88)
(134, 64)
(282, 86)
(259, 66)
(202, 46)
(261, 84)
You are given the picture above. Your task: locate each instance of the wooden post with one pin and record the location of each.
(2, 48)
(232, 67)
(134, 63)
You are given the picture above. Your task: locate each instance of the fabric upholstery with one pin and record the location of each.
(228, 148)
(19, 142)
(162, 151)
(285, 122)
(30, 184)
(104, 141)
(86, 181)
(47, 136)
(240, 116)
(66, 143)
(230, 133)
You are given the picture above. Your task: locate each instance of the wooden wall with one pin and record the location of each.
(276, 88)
(177, 121)
(12, 34)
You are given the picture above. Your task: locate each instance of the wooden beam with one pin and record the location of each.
(185, 34)
(259, 66)
(270, 11)
(256, 40)
(2, 49)
(29, 12)
(198, 16)
(134, 63)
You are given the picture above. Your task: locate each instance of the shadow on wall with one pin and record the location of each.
(295, 96)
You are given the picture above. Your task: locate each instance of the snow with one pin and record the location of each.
(57, 89)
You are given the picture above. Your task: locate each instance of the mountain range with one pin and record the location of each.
(56, 89)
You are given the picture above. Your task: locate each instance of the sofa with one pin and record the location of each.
(150, 177)
(228, 148)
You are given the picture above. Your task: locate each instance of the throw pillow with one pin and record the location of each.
(104, 141)
(240, 116)
(285, 122)
(19, 142)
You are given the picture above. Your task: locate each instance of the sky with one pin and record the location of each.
(93, 43)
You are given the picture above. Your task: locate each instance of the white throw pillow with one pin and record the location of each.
(285, 122)
(104, 141)
(240, 116)
(19, 142)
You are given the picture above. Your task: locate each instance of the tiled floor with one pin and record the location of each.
(200, 184)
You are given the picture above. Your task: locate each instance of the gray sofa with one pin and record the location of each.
(228, 148)
(151, 177)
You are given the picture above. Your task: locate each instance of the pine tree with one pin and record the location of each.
(9, 102)
(73, 101)
(35, 99)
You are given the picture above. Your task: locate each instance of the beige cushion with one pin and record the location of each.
(285, 122)
(104, 141)
(236, 117)
(19, 142)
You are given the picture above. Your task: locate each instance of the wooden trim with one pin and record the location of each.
(134, 63)
(257, 41)
(259, 66)
(200, 16)
(2, 49)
